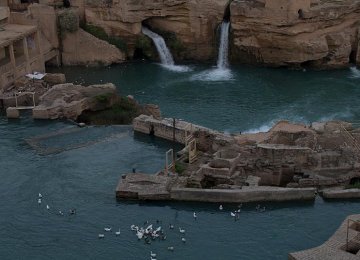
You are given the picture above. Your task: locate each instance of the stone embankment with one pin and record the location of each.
(344, 244)
(289, 162)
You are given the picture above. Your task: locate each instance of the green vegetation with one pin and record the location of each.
(122, 112)
(355, 185)
(179, 168)
(100, 33)
(145, 44)
(68, 21)
(104, 98)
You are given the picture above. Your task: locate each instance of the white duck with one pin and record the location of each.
(194, 215)
(39, 201)
(183, 239)
(47, 207)
(152, 258)
(101, 235)
(170, 248)
(117, 232)
(40, 196)
(181, 230)
(221, 207)
(232, 214)
(107, 229)
(152, 254)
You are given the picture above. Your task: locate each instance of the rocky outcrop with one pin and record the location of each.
(81, 48)
(69, 101)
(189, 26)
(315, 33)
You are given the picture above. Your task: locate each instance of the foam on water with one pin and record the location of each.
(176, 68)
(355, 72)
(213, 75)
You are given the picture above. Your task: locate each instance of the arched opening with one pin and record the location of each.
(301, 14)
(227, 14)
(352, 57)
(152, 130)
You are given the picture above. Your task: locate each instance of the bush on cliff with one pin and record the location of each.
(68, 21)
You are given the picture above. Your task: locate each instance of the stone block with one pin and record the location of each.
(55, 78)
(12, 112)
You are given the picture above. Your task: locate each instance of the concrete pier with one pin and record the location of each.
(343, 245)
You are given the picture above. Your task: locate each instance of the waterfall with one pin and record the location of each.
(164, 53)
(222, 62)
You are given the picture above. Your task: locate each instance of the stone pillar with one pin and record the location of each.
(26, 53)
(12, 55)
(39, 50)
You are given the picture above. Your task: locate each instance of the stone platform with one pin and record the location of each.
(140, 186)
(336, 247)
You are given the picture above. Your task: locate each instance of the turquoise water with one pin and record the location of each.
(83, 171)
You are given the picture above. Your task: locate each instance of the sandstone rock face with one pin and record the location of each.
(296, 33)
(69, 101)
(193, 22)
(81, 48)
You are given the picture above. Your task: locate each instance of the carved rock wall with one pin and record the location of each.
(309, 33)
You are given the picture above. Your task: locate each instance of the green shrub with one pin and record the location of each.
(179, 168)
(68, 21)
(103, 98)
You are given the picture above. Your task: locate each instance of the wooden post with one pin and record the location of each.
(174, 145)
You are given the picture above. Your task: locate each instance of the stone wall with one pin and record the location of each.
(244, 195)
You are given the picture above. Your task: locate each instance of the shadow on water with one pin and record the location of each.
(159, 142)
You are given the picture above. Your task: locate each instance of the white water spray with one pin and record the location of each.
(165, 55)
(222, 62)
(355, 72)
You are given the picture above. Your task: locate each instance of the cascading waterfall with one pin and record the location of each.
(222, 62)
(164, 53)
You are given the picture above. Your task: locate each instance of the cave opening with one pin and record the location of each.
(227, 13)
(352, 57)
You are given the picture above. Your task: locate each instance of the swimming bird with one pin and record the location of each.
(61, 213)
(195, 215)
(170, 248)
(183, 239)
(171, 226)
(152, 258)
(72, 211)
(107, 229)
(39, 201)
(181, 230)
(258, 207)
(101, 235)
(238, 211)
(152, 254)
(47, 207)
(232, 214)
(117, 232)
(221, 207)
(40, 196)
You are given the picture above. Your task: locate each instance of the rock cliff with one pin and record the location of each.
(191, 24)
(318, 33)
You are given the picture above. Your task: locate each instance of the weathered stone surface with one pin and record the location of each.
(194, 23)
(55, 78)
(296, 33)
(341, 194)
(81, 48)
(12, 112)
(69, 101)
